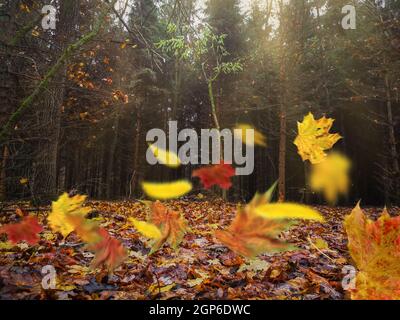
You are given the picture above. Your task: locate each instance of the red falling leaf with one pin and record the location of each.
(219, 174)
(26, 230)
(108, 252)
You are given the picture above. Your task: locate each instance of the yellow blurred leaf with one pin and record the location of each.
(168, 158)
(149, 230)
(331, 177)
(288, 211)
(170, 190)
(258, 139)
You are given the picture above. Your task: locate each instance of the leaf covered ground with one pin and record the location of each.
(201, 268)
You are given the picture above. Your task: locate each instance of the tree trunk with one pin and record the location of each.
(282, 156)
(111, 156)
(134, 178)
(3, 175)
(49, 112)
(283, 120)
(392, 139)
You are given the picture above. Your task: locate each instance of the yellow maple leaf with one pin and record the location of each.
(169, 190)
(314, 138)
(64, 207)
(168, 158)
(258, 139)
(375, 248)
(331, 177)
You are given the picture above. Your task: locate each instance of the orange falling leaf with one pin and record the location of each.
(26, 230)
(252, 232)
(375, 248)
(86, 229)
(171, 224)
(250, 235)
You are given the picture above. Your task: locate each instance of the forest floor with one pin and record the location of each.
(201, 268)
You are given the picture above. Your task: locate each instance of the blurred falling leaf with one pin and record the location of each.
(169, 190)
(250, 234)
(149, 230)
(108, 252)
(331, 176)
(165, 226)
(26, 230)
(288, 211)
(64, 207)
(168, 158)
(219, 174)
(87, 230)
(258, 138)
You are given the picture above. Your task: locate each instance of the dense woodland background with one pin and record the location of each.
(80, 113)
